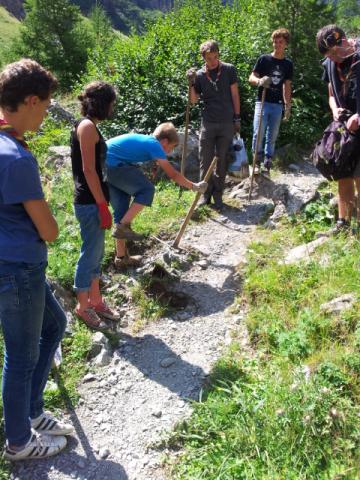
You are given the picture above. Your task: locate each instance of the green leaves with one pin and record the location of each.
(149, 70)
(54, 34)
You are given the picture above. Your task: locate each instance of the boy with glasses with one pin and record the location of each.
(342, 74)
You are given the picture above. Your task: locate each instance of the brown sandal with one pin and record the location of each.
(91, 319)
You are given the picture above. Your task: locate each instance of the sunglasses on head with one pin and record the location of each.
(332, 40)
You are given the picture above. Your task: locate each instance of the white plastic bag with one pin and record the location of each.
(240, 166)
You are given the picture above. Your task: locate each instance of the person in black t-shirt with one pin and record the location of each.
(273, 72)
(216, 85)
(342, 74)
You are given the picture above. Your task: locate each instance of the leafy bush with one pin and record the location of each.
(149, 71)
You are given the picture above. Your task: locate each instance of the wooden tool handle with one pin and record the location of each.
(192, 208)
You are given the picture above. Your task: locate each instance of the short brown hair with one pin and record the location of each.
(281, 33)
(20, 79)
(209, 46)
(328, 37)
(96, 99)
(166, 131)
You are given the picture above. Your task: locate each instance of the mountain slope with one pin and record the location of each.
(8, 31)
(124, 14)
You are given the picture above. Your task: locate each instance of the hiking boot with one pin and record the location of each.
(39, 446)
(127, 261)
(46, 423)
(267, 165)
(341, 226)
(244, 171)
(123, 231)
(204, 200)
(218, 202)
(257, 169)
(356, 230)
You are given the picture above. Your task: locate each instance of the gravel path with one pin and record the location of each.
(126, 407)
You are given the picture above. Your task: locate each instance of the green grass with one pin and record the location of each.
(149, 308)
(164, 218)
(9, 29)
(291, 409)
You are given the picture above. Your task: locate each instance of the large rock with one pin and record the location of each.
(192, 155)
(100, 343)
(303, 252)
(59, 113)
(293, 189)
(339, 304)
(103, 358)
(58, 156)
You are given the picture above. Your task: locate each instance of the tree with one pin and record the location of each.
(303, 18)
(348, 16)
(101, 26)
(149, 70)
(54, 34)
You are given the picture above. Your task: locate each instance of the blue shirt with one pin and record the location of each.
(133, 148)
(19, 182)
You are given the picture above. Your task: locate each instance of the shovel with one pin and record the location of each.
(186, 134)
(192, 208)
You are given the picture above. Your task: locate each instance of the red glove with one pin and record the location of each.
(105, 215)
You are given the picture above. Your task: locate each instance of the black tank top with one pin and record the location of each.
(82, 193)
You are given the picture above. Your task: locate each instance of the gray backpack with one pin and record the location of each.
(337, 153)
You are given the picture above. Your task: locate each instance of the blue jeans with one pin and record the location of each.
(92, 247)
(33, 324)
(124, 182)
(271, 119)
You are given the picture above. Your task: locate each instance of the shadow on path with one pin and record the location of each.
(158, 362)
(69, 462)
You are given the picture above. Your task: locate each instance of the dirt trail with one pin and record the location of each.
(126, 406)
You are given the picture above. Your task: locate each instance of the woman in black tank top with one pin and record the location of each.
(91, 198)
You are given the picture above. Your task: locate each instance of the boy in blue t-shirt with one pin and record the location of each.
(32, 321)
(126, 181)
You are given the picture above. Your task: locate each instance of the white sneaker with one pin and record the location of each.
(39, 446)
(46, 423)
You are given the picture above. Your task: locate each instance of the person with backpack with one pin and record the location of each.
(216, 85)
(33, 322)
(342, 74)
(130, 190)
(274, 72)
(91, 199)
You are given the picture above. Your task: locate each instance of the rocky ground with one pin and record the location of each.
(151, 377)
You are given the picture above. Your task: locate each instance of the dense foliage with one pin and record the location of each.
(55, 35)
(149, 70)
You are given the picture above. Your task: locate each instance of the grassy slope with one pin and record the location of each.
(9, 28)
(289, 410)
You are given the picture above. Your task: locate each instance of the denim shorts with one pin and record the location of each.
(92, 247)
(126, 181)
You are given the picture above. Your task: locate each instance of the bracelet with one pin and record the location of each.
(237, 118)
